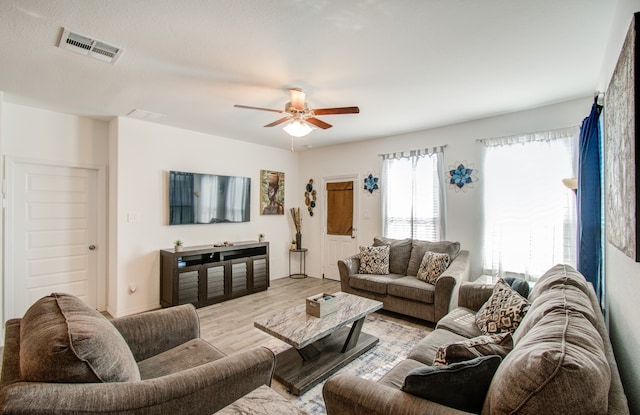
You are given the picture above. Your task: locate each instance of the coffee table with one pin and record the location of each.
(321, 346)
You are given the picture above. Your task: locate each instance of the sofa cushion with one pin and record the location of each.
(373, 283)
(420, 247)
(461, 385)
(191, 354)
(558, 367)
(64, 340)
(559, 275)
(432, 266)
(503, 311)
(395, 377)
(556, 297)
(412, 289)
(399, 253)
(498, 344)
(462, 321)
(426, 349)
(374, 260)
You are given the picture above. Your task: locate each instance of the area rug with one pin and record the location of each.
(396, 340)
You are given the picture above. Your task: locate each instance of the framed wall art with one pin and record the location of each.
(271, 192)
(621, 149)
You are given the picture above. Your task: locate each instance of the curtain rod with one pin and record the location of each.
(420, 152)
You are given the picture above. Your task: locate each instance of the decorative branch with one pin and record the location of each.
(297, 220)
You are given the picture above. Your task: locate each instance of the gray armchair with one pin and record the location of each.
(170, 368)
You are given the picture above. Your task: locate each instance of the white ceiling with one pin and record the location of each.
(408, 64)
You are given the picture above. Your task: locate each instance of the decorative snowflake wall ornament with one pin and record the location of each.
(371, 183)
(463, 176)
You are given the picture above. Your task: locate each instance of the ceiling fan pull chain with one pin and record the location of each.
(292, 144)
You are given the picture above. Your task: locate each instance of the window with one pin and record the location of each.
(530, 216)
(412, 195)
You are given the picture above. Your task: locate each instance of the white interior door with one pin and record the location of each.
(336, 247)
(52, 234)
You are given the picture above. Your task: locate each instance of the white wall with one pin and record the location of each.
(45, 136)
(464, 208)
(144, 152)
(622, 273)
(42, 135)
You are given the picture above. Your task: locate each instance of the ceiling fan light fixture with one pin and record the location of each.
(297, 128)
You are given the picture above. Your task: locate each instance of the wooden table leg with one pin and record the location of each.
(309, 353)
(354, 334)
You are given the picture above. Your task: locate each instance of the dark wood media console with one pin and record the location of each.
(204, 275)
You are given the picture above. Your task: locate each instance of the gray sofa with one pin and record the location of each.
(561, 361)
(64, 357)
(400, 291)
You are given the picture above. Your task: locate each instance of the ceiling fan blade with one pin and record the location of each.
(280, 121)
(258, 108)
(297, 98)
(342, 110)
(318, 123)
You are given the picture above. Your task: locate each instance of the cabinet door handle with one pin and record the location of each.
(92, 247)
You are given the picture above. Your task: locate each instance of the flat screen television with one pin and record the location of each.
(196, 198)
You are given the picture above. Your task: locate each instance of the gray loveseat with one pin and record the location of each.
(400, 291)
(64, 357)
(561, 362)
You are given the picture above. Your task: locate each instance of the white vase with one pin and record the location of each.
(178, 248)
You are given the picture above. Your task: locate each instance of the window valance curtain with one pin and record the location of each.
(413, 153)
(531, 137)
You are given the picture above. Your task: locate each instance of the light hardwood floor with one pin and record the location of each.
(229, 325)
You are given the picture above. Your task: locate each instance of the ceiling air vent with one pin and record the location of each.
(90, 47)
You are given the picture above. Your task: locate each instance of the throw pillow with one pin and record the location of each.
(462, 385)
(498, 344)
(420, 247)
(374, 260)
(519, 285)
(399, 253)
(64, 340)
(432, 266)
(503, 311)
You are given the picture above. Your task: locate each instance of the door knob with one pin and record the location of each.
(92, 247)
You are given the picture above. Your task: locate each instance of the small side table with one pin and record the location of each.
(302, 270)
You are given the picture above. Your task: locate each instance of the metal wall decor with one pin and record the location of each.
(310, 195)
(463, 176)
(371, 183)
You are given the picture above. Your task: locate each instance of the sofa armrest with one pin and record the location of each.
(447, 285)
(11, 352)
(197, 391)
(346, 394)
(154, 332)
(473, 295)
(348, 266)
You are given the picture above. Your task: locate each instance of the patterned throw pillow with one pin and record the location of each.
(499, 344)
(503, 311)
(374, 260)
(433, 264)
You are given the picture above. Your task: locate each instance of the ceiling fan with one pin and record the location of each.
(300, 116)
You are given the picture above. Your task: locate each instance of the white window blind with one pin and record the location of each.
(413, 195)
